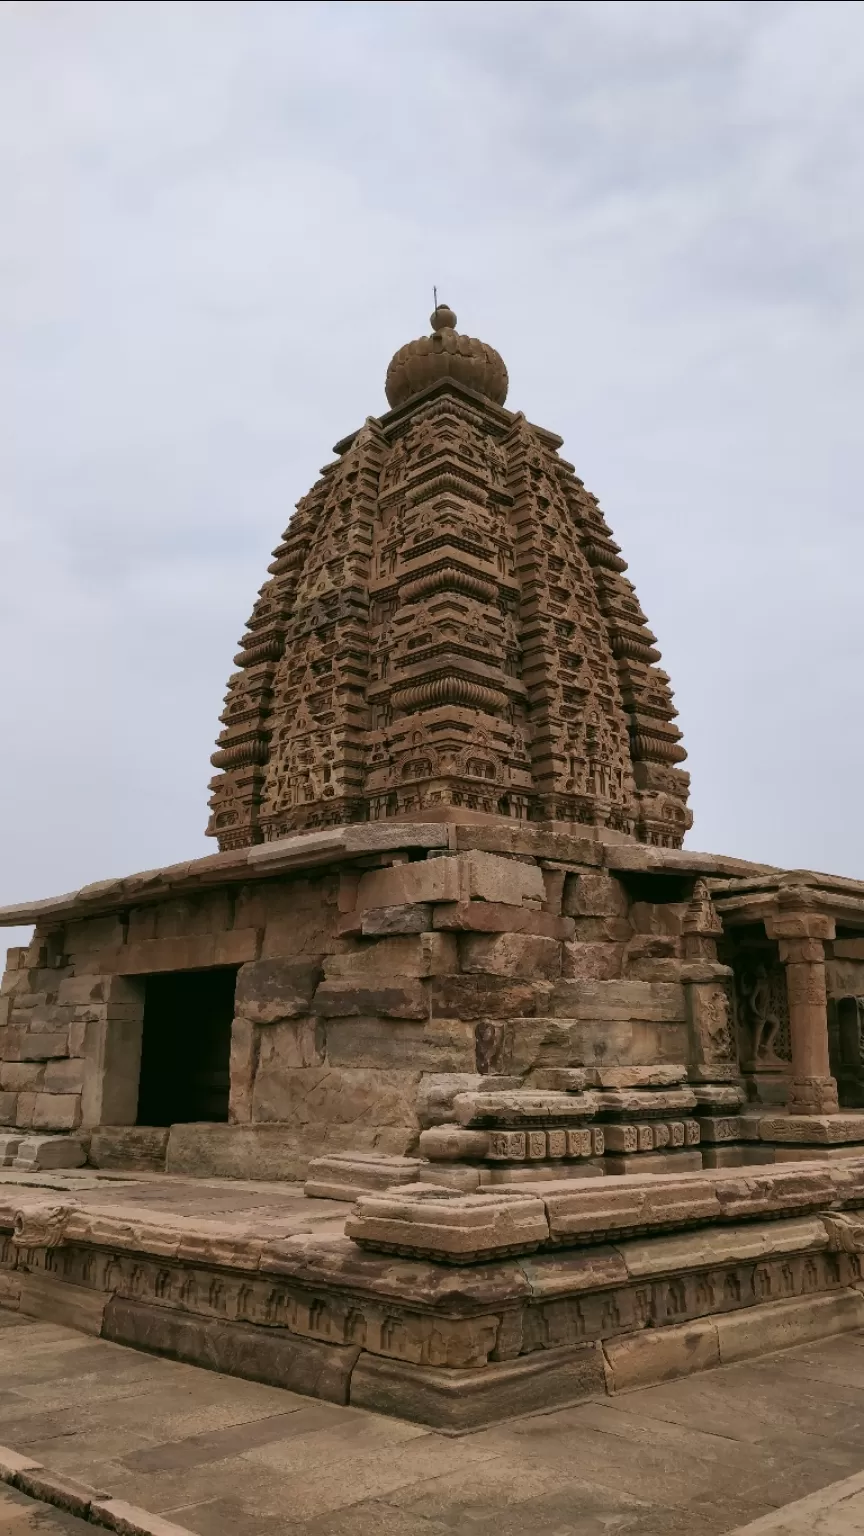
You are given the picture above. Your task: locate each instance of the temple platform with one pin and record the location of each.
(447, 1309)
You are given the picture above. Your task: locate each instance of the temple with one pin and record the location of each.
(453, 968)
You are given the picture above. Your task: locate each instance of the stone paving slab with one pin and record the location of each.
(23, 1516)
(166, 1192)
(834, 1511)
(704, 1455)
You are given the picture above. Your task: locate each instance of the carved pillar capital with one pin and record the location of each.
(800, 923)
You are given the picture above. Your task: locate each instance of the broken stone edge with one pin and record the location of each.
(39, 1482)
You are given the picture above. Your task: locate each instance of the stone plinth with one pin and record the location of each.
(482, 1307)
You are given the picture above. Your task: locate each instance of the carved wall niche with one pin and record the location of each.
(759, 1000)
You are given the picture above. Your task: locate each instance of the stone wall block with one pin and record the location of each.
(591, 961)
(487, 877)
(399, 999)
(90, 935)
(781, 1324)
(238, 946)
(26, 1003)
(33, 1045)
(24, 1110)
(245, 1039)
(528, 839)
(66, 1076)
(82, 989)
(660, 1002)
(22, 1076)
(292, 1043)
(8, 1108)
(511, 954)
(436, 1045)
(271, 1055)
(474, 875)
(268, 990)
(496, 917)
(423, 954)
(651, 946)
(480, 997)
(207, 912)
(112, 1055)
(553, 882)
(658, 918)
(346, 898)
(49, 1017)
(422, 880)
(594, 894)
(602, 930)
(56, 1112)
(383, 922)
(653, 970)
(270, 1149)
(846, 949)
(661, 1354)
(323, 1097)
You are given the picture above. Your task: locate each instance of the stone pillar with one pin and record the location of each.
(801, 934)
(713, 1056)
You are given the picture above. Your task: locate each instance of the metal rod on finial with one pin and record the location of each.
(435, 297)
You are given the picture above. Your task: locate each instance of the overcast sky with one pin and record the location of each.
(220, 220)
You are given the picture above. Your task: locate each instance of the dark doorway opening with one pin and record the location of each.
(186, 1047)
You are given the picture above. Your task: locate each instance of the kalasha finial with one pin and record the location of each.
(442, 318)
(445, 355)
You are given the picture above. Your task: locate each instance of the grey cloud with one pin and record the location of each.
(220, 219)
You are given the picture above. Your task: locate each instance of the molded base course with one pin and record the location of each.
(58, 1301)
(271, 1355)
(445, 1399)
(457, 1400)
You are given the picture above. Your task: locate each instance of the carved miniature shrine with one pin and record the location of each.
(451, 962)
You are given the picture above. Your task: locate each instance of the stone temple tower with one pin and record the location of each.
(447, 630)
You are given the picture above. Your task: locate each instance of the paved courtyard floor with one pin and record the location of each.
(20, 1516)
(703, 1455)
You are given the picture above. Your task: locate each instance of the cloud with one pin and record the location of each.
(220, 220)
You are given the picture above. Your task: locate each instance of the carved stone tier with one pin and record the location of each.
(447, 629)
